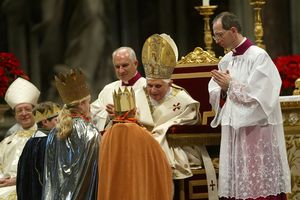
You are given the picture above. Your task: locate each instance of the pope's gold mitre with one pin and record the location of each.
(124, 100)
(159, 56)
(72, 86)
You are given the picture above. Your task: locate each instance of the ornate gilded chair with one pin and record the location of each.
(193, 73)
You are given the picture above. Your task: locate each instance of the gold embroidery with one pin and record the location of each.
(158, 57)
(11, 196)
(149, 101)
(25, 133)
(175, 90)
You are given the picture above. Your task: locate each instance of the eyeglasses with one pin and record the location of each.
(220, 35)
(21, 110)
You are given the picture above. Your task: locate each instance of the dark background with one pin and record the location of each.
(50, 36)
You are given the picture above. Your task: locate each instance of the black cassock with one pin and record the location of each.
(30, 169)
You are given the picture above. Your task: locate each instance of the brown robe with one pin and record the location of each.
(132, 165)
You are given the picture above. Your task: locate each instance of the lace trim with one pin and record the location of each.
(237, 92)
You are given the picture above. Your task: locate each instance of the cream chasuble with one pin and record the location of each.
(178, 108)
(11, 148)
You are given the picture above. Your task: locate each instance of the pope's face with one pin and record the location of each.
(125, 67)
(24, 115)
(157, 88)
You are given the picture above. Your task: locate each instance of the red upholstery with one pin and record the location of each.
(197, 86)
(195, 78)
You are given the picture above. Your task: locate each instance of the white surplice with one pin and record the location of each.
(11, 148)
(177, 108)
(99, 114)
(253, 160)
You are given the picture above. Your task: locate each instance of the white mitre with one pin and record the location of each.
(21, 91)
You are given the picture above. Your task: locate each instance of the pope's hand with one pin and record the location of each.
(110, 108)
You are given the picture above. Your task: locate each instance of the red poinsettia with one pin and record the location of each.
(9, 71)
(289, 69)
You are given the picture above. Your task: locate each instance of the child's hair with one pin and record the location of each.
(65, 123)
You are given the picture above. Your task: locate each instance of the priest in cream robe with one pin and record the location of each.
(244, 92)
(162, 104)
(125, 65)
(21, 96)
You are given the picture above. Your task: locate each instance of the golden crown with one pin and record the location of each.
(124, 100)
(46, 110)
(159, 57)
(72, 86)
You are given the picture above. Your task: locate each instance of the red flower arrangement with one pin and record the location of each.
(9, 71)
(289, 70)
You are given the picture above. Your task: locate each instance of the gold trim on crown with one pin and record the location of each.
(158, 58)
(124, 100)
(72, 87)
(45, 111)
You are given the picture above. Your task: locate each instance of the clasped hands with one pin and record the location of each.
(221, 78)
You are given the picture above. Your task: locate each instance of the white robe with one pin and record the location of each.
(178, 108)
(11, 148)
(253, 160)
(99, 114)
